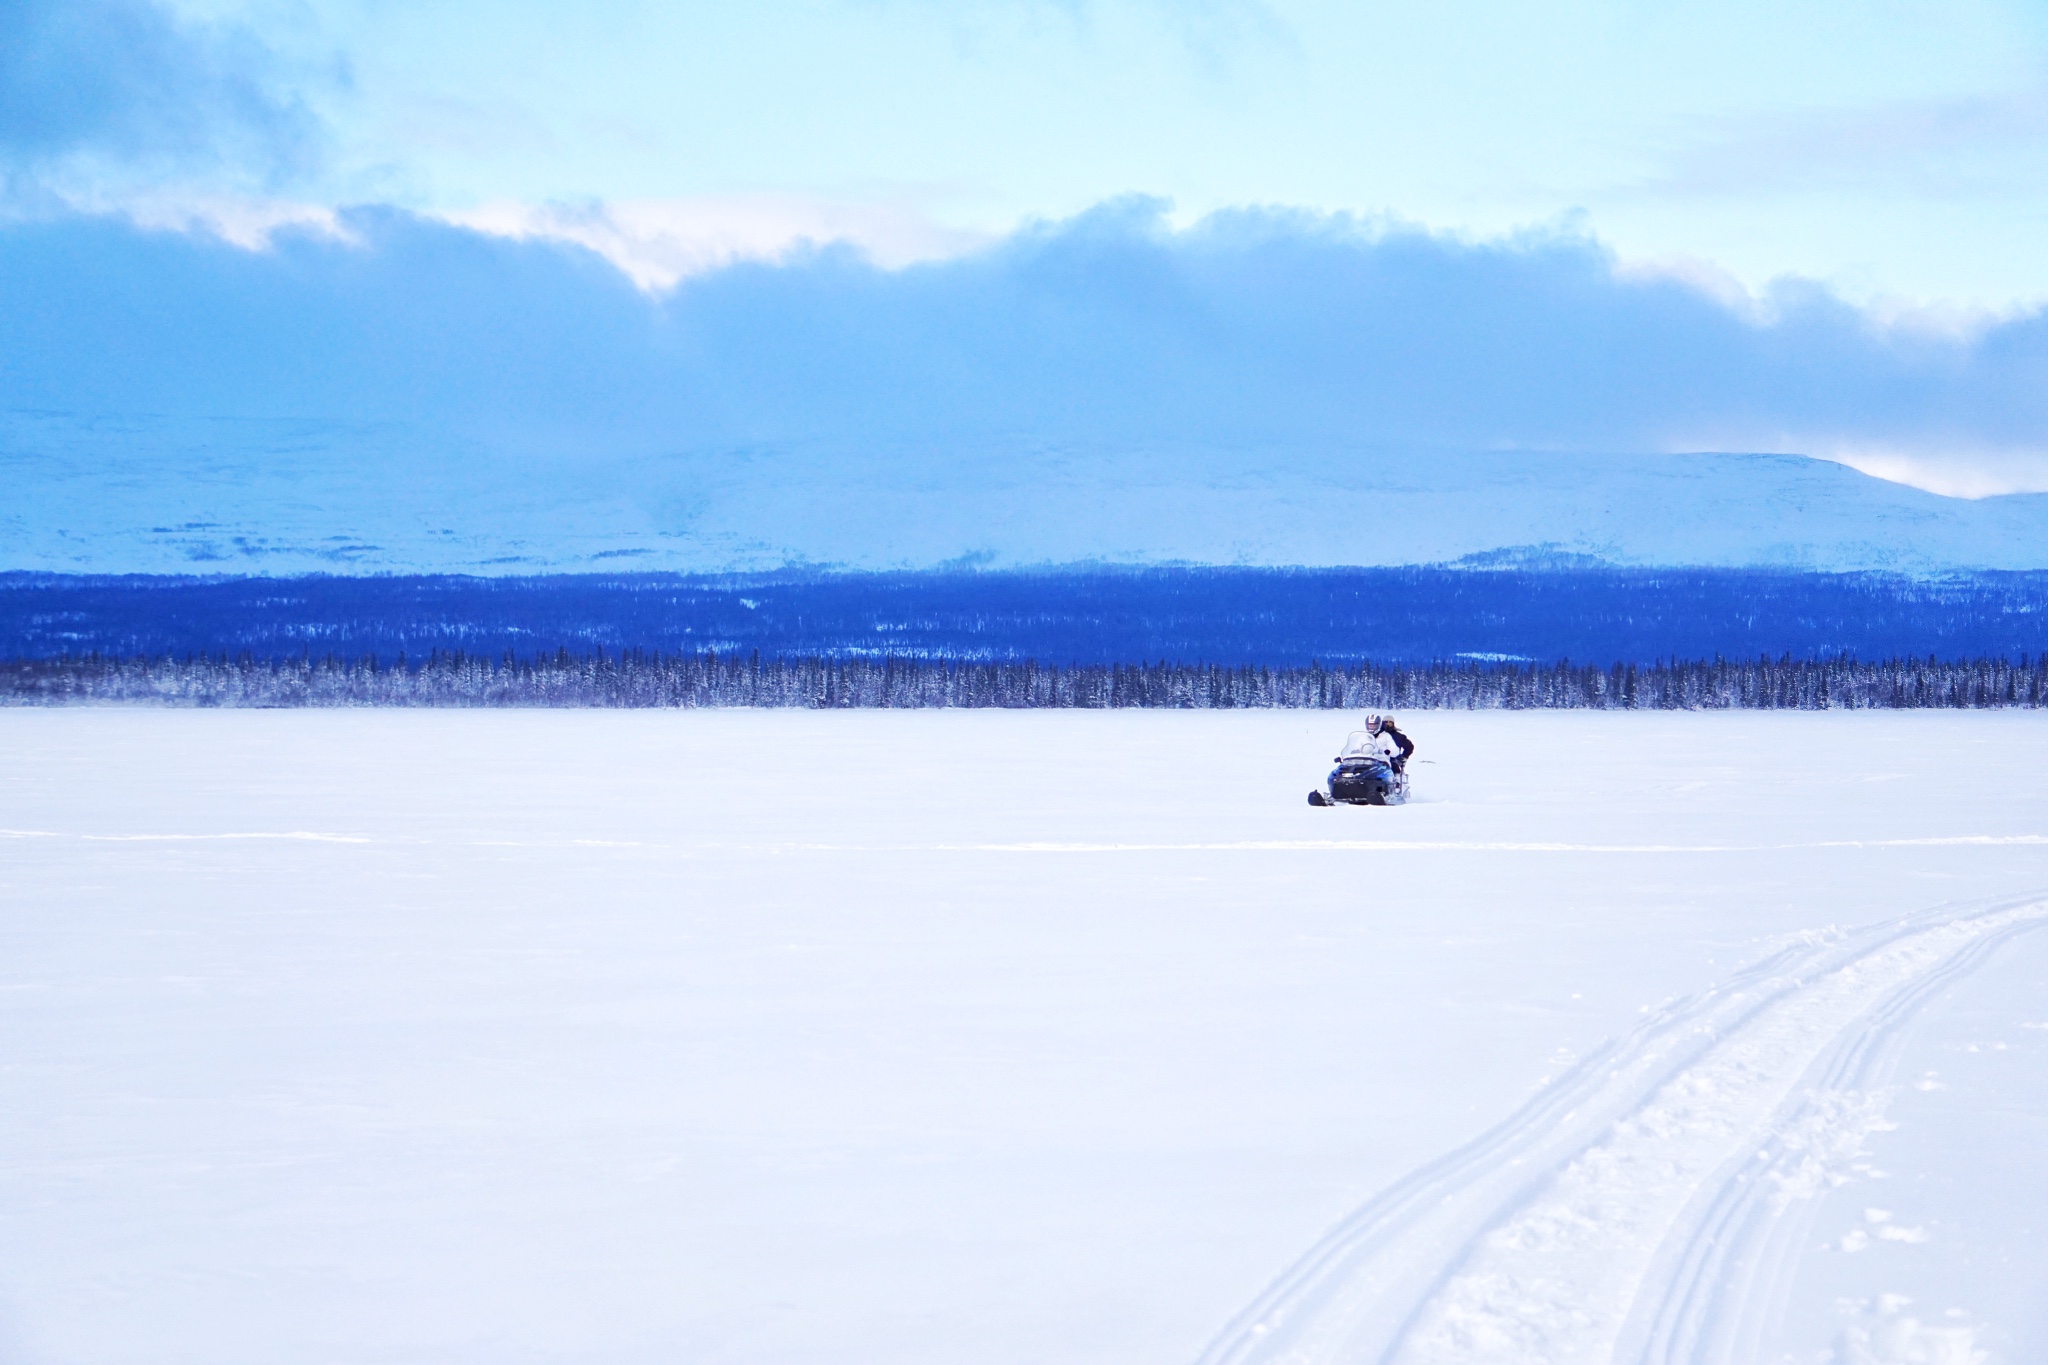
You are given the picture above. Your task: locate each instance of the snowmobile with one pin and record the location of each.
(1364, 776)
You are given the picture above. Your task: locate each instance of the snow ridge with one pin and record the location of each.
(1639, 1209)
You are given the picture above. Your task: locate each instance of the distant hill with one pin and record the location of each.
(194, 494)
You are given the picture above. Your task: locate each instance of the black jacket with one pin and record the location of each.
(1405, 744)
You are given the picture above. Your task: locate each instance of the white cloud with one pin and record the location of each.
(1700, 275)
(248, 223)
(1953, 470)
(658, 242)
(1953, 467)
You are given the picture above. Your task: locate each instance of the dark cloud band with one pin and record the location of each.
(124, 81)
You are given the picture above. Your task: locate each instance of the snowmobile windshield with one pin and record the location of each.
(1360, 744)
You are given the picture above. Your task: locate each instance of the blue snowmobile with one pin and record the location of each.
(1372, 768)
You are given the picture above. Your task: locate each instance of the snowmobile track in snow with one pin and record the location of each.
(1644, 1208)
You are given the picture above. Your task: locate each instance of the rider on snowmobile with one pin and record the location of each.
(1393, 743)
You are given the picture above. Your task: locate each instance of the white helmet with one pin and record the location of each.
(1373, 722)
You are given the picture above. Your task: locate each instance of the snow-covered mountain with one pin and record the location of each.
(168, 495)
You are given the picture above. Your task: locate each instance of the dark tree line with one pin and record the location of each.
(1091, 615)
(636, 679)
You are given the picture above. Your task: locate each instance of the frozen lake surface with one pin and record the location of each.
(944, 1037)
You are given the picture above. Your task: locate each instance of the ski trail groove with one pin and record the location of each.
(1721, 1284)
(1641, 1208)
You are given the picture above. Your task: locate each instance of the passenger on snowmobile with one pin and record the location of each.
(1370, 768)
(1383, 728)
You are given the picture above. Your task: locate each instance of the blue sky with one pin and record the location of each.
(1879, 168)
(1895, 151)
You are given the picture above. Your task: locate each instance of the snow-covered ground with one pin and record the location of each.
(933, 1038)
